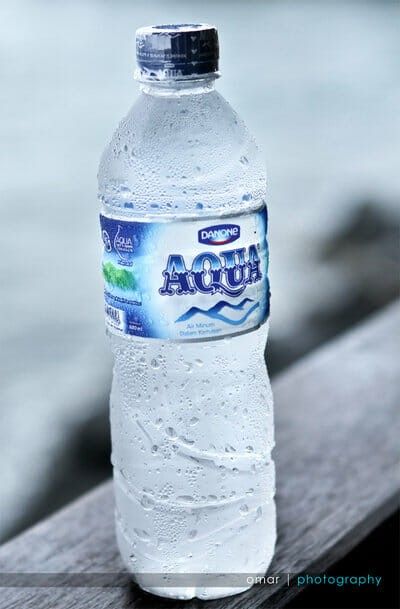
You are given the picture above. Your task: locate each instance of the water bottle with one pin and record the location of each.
(185, 265)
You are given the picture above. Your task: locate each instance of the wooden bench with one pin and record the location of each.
(338, 477)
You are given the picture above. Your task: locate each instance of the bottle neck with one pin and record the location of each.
(178, 88)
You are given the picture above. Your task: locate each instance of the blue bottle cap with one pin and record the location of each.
(175, 52)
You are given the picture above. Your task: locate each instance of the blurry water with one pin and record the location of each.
(318, 84)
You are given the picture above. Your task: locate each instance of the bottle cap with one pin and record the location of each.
(175, 52)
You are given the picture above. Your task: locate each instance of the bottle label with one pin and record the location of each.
(187, 279)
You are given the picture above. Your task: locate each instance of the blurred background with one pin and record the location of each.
(318, 83)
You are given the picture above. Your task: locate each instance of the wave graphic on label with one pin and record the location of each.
(214, 312)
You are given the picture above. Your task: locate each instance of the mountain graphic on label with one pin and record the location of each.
(215, 311)
(123, 245)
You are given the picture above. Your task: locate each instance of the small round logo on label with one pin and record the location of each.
(106, 241)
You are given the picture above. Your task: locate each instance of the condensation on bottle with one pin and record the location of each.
(185, 265)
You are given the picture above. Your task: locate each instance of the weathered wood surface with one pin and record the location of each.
(338, 476)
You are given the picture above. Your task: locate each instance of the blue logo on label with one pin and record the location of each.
(123, 245)
(220, 234)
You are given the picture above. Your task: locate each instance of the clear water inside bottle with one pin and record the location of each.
(192, 422)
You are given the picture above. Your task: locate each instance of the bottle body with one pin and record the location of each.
(191, 419)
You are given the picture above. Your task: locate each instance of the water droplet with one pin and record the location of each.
(193, 421)
(244, 160)
(186, 440)
(155, 364)
(230, 449)
(147, 503)
(192, 534)
(154, 449)
(171, 432)
(142, 534)
(199, 205)
(244, 509)
(185, 498)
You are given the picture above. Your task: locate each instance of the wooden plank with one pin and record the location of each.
(338, 476)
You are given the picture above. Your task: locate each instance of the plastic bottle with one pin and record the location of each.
(183, 220)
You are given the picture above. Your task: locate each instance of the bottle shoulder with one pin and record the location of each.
(191, 152)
